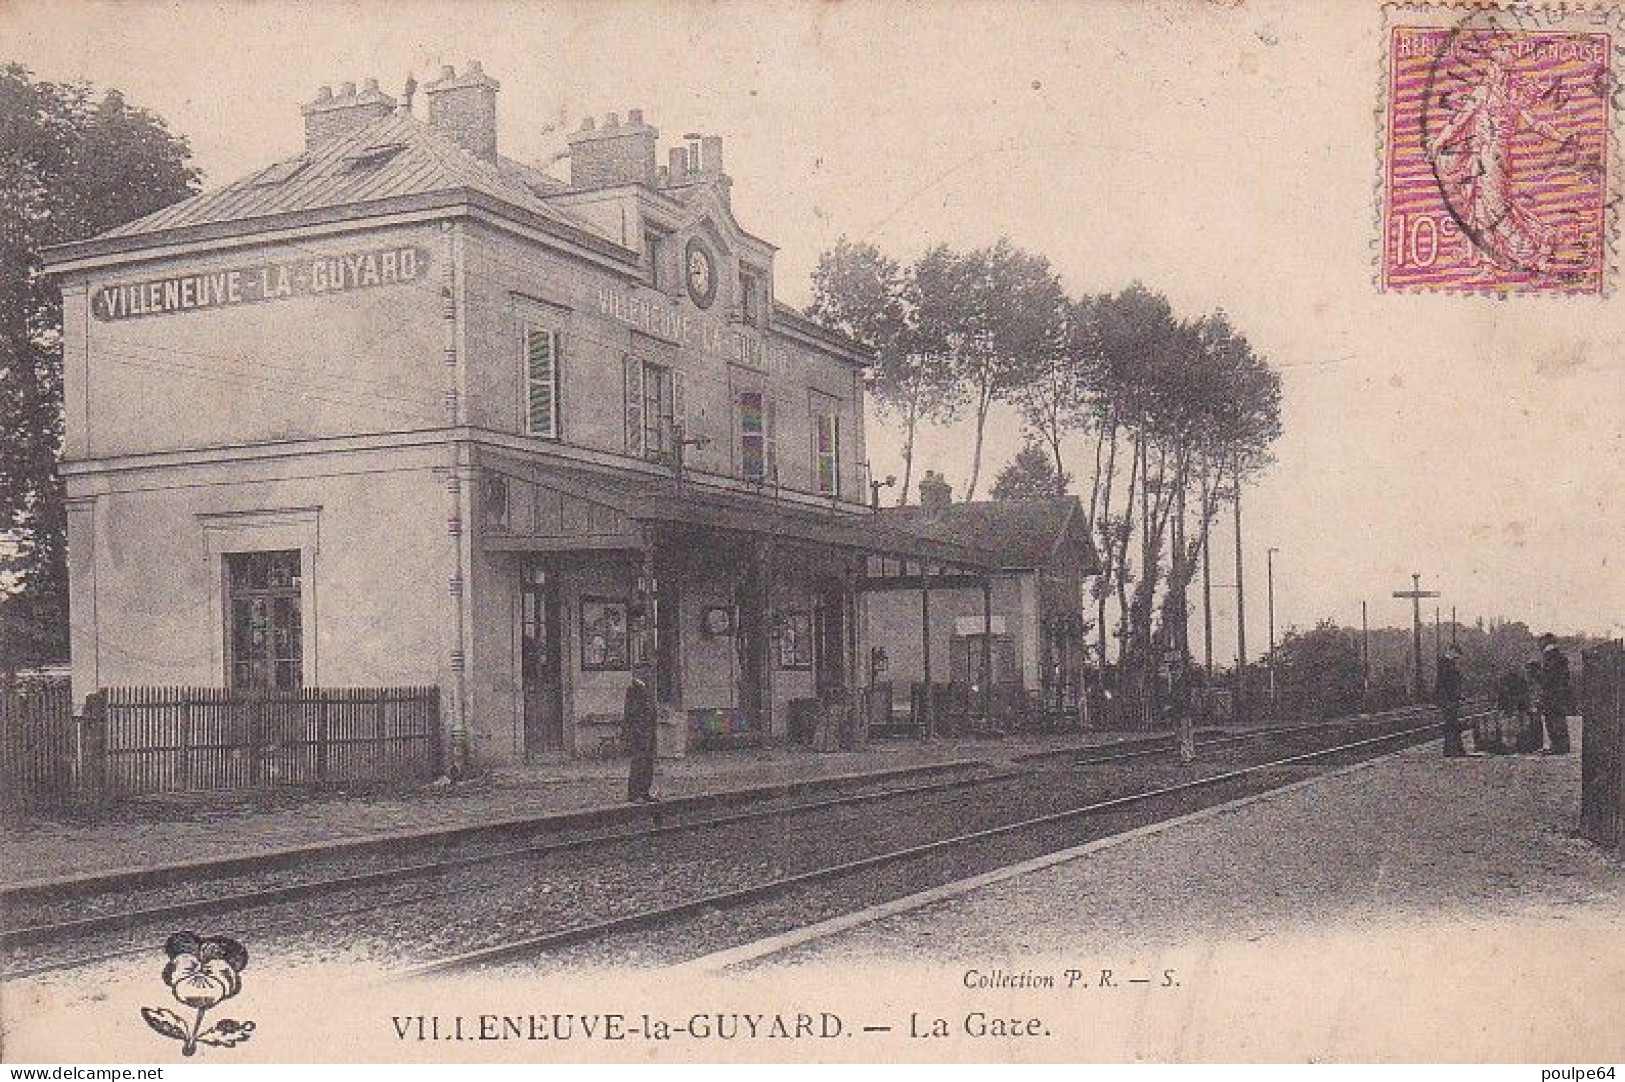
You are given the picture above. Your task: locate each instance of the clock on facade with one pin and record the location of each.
(701, 274)
(717, 620)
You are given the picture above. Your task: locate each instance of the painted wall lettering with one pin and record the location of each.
(313, 276)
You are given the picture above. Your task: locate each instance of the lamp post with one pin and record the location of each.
(874, 490)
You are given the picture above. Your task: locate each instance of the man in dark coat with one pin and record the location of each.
(1448, 693)
(1556, 695)
(638, 723)
(1529, 734)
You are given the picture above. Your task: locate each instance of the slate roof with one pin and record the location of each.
(1021, 533)
(334, 173)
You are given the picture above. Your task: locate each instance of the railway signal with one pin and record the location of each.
(1416, 594)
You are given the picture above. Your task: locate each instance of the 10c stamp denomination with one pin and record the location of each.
(1498, 171)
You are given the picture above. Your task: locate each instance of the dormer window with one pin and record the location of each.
(654, 258)
(372, 157)
(280, 173)
(750, 297)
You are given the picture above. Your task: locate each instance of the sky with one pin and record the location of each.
(1223, 153)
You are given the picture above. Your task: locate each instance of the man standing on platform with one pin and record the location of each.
(1448, 692)
(638, 728)
(1556, 695)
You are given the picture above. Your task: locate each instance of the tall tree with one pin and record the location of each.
(1134, 329)
(1054, 399)
(994, 313)
(1030, 475)
(72, 164)
(869, 296)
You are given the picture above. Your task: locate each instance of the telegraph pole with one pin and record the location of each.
(1365, 651)
(1207, 607)
(1455, 638)
(1241, 620)
(1269, 563)
(1416, 594)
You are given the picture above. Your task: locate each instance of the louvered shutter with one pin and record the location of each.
(826, 453)
(679, 411)
(815, 432)
(541, 383)
(833, 451)
(770, 440)
(634, 405)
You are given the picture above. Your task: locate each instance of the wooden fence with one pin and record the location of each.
(1602, 744)
(953, 709)
(155, 740)
(36, 743)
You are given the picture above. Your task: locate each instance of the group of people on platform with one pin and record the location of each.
(1531, 704)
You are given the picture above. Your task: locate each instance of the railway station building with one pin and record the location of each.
(401, 410)
(1020, 627)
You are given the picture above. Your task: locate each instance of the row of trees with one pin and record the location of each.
(72, 164)
(1176, 414)
(1324, 667)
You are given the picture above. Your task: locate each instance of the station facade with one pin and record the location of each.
(401, 410)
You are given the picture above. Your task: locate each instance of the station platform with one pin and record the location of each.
(157, 833)
(1411, 909)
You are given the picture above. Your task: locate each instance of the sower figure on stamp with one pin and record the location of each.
(1448, 694)
(1556, 695)
(638, 727)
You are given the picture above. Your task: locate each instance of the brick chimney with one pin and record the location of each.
(698, 161)
(465, 108)
(338, 114)
(613, 154)
(935, 493)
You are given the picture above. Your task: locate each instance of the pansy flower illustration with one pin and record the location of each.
(203, 972)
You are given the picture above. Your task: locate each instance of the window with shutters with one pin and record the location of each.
(757, 437)
(655, 409)
(541, 347)
(826, 451)
(659, 412)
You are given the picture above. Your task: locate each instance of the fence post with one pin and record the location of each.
(188, 739)
(437, 739)
(256, 736)
(91, 753)
(379, 740)
(322, 736)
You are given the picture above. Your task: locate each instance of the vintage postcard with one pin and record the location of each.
(541, 532)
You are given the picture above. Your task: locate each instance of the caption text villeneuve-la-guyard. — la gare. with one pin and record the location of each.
(730, 1026)
(727, 1026)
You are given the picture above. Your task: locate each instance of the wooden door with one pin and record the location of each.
(541, 661)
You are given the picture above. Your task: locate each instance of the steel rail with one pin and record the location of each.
(292, 892)
(265, 896)
(663, 915)
(1162, 745)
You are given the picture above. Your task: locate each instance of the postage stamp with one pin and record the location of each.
(1499, 166)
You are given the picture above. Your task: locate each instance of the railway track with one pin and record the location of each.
(724, 902)
(1162, 745)
(165, 914)
(47, 931)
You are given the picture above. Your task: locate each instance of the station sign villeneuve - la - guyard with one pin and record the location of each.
(316, 275)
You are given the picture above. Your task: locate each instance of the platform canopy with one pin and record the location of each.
(566, 508)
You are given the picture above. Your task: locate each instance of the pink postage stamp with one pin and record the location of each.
(1498, 170)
